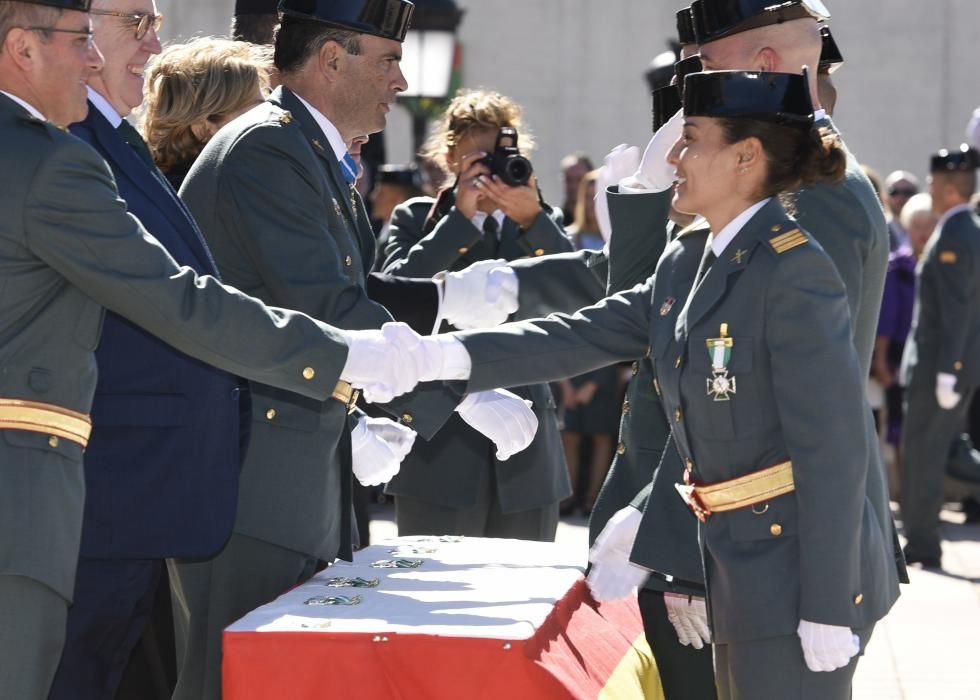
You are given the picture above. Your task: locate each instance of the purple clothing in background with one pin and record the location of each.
(894, 323)
(895, 320)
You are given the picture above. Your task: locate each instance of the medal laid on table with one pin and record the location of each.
(720, 385)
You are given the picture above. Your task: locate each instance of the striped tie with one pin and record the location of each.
(349, 168)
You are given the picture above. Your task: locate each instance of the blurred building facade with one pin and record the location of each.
(907, 89)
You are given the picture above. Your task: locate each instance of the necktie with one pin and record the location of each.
(136, 142)
(491, 233)
(349, 168)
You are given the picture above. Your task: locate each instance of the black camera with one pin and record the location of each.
(506, 161)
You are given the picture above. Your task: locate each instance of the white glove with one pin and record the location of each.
(689, 616)
(481, 296)
(946, 394)
(613, 575)
(505, 418)
(620, 163)
(378, 446)
(827, 647)
(383, 363)
(655, 173)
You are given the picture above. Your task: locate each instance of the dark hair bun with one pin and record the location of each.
(823, 158)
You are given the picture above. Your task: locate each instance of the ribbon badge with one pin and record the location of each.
(720, 385)
(667, 306)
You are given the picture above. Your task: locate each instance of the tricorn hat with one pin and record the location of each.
(714, 19)
(256, 7)
(389, 19)
(666, 102)
(783, 98)
(685, 27)
(77, 5)
(683, 68)
(404, 175)
(964, 159)
(830, 56)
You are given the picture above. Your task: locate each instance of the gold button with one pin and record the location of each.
(270, 414)
(406, 418)
(777, 228)
(677, 415)
(626, 407)
(309, 373)
(463, 251)
(957, 366)
(539, 251)
(635, 369)
(859, 598)
(621, 448)
(679, 361)
(348, 261)
(776, 529)
(54, 441)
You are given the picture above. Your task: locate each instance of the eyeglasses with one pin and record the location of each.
(87, 33)
(139, 21)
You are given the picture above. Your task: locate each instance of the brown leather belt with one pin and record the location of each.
(346, 394)
(745, 491)
(37, 417)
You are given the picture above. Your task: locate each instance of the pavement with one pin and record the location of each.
(928, 648)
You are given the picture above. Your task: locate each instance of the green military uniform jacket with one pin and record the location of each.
(69, 250)
(818, 553)
(447, 469)
(284, 226)
(946, 320)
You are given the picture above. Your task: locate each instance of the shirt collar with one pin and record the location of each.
(26, 105)
(720, 240)
(480, 217)
(334, 138)
(959, 208)
(105, 109)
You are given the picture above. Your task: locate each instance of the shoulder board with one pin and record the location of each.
(786, 241)
(948, 257)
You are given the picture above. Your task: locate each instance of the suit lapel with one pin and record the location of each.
(159, 191)
(321, 147)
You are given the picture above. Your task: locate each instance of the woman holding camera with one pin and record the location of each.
(761, 382)
(455, 484)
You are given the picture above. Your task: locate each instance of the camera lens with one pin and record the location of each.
(518, 170)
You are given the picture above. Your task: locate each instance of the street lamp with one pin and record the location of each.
(428, 58)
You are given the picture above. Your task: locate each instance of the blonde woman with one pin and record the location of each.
(193, 90)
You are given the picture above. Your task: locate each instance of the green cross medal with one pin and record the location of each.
(720, 385)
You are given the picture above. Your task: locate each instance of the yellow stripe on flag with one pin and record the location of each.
(635, 676)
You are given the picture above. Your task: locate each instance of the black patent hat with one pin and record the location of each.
(714, 19)
(256, 7)
(685, 27)
(404, 175)
(783, 98)
(830, 56)
(683, 68)
(77, 5)
(389, 19)
(964, 159)
(666, 102)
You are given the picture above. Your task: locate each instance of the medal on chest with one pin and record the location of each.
(720, 385)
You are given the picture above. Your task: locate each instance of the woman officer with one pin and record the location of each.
(761, 384)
